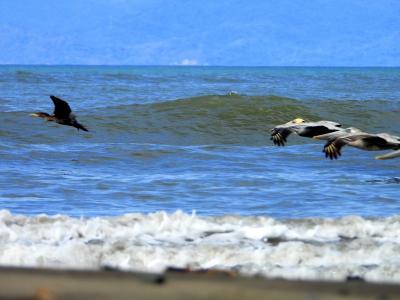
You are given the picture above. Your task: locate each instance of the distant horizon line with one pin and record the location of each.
(193, 66)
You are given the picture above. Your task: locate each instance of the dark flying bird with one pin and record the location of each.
(62, 114)
(280, 133)
(357, 139)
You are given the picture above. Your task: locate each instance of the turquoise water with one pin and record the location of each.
(194, 138)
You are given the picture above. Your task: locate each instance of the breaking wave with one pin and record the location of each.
(300, 248)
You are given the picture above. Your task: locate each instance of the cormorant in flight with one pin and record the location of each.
(62, 114)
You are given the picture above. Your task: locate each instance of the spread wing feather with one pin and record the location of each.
(61, 108)
(279, 135)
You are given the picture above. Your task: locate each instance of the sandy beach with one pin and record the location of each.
(48, 284)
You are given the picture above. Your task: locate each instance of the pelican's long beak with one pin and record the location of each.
(381, 157)
(389, 155)
(319, 137)
(34, 115)
(328, 136)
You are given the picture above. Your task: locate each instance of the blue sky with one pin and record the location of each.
(201, 32)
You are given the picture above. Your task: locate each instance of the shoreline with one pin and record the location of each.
(52, 284)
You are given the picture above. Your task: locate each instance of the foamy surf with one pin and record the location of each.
(330, 249)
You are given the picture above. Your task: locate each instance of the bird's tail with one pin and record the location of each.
(80, 126)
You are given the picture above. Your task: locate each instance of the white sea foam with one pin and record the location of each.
(306, 248)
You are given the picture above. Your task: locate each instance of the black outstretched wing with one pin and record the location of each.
(61, 108)
(377, 141)
(279, 135)
(332, 148)
(311, 131)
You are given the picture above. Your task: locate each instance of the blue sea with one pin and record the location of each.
(175, 147)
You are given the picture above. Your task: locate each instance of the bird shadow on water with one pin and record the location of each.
(393, 180)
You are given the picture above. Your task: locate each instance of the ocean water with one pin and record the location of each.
(178, 169)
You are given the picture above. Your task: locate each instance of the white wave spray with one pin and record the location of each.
(296, 249)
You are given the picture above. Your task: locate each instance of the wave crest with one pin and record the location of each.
(223, 119)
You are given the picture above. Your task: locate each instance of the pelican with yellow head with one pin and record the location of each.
(302, 127)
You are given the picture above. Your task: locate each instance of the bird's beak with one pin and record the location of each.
(34, 115)
(388, 155)
(325, 136)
